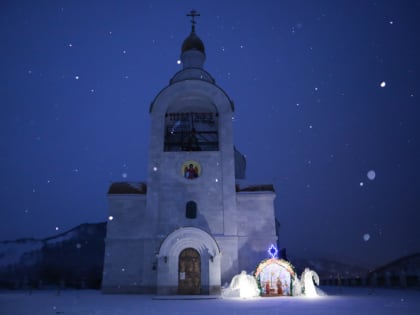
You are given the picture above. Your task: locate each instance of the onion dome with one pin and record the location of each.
(193, 42)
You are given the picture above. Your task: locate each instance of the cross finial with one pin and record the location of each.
(193, 14)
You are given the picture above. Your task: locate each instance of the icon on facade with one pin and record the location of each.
(191, 169)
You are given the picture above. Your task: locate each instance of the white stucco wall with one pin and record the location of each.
(256, 227)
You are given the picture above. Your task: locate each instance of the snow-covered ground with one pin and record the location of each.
(88, 302)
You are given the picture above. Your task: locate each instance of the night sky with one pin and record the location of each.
(327, 108)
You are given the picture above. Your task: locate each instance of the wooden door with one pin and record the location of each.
(189, 272)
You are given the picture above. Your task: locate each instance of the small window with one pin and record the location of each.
(191, 210)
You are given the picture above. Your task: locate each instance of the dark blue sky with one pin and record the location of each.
(77, 79)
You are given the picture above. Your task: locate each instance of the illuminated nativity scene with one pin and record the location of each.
(273, 277)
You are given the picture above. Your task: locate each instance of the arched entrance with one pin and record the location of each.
(188, 263)
(189, 272)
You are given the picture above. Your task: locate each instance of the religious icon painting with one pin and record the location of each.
(191, 169)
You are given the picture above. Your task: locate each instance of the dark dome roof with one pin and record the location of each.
(193, 42)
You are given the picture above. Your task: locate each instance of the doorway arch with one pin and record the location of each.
(168, 259)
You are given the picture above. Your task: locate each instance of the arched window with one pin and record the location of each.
(191, 210)
(191, 131)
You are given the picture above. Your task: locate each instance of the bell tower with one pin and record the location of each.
(191, 154)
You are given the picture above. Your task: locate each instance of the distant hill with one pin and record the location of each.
(327, 269)
(402, 272)
(75, 259)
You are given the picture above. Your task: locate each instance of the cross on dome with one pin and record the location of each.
(193, 14)
(193, 42)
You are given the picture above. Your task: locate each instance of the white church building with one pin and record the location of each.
(191, 227)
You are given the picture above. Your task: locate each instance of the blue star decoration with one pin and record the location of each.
(273, 251)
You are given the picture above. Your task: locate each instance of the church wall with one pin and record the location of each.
(130, 263)
(256, 213)
(229, 257)
(176, 191)
(129, 266)
(129, 217)
(256, 227)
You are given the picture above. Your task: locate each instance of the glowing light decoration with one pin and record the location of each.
(273, 251)
(275, 277)
(307, 280)
(243, 284)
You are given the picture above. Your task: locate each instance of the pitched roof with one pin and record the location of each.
(261, 187)
(128, 188)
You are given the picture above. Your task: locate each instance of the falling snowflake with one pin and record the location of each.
(366, 237)
(110, 218)
(371, 174)
(178, 61)
(70, 45)
(155, 169)
(124, 175)
(383, 84)
(361, 184)
(77, 77)
(57, 228)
